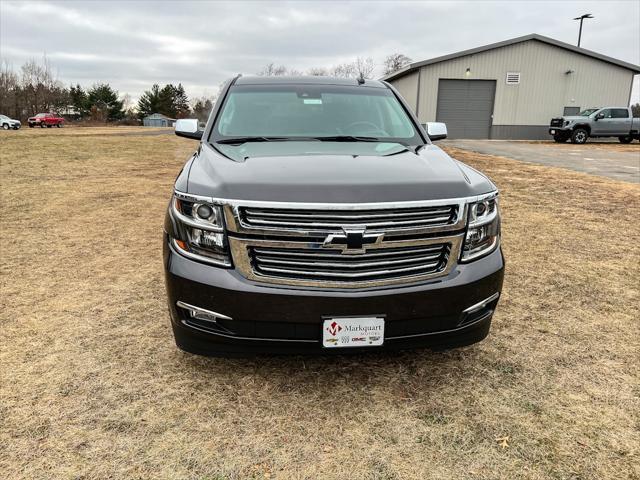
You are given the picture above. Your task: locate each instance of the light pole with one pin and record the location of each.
(581, 18)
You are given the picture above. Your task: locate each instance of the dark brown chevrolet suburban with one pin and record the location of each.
(316, 216)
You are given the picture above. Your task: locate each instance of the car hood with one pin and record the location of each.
(332, 173)
(575, 118)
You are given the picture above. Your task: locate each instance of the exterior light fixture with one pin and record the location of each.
(569, 72)
(581, 18)
(468, 72)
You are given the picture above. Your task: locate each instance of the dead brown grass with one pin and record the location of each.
(74, 131)
(93, 387)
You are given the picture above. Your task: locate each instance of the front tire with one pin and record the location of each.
(59, 125)
(42, 125)
(627, 139)
(579, 136)
(5, 126)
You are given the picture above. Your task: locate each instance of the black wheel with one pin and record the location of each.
(560, 138)
(579, 136)
(42, 125)
(5, 126)
(59, 125)
(627, 139)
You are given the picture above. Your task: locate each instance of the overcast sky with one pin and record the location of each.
(132, 45)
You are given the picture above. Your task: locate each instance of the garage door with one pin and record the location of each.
(466, 107)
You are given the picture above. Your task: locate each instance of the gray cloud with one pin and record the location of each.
(135, 44)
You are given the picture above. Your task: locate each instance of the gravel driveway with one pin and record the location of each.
(613, 160)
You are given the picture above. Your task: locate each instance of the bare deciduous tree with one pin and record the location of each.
(364, 67)
(273, 70)
(395, 62)
(318, 72)
(9, 91)
(345, 70)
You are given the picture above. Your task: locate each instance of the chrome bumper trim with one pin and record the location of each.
(482, 304)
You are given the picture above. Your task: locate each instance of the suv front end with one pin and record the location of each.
(285, 273)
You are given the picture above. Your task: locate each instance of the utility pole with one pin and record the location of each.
(581, 18)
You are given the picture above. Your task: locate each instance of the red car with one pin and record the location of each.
(45, 120)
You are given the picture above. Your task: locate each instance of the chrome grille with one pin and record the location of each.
(376, 264)
(345, 245)
(311, 222)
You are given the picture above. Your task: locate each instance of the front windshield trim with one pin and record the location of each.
(416, 140)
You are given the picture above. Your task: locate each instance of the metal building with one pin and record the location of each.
(158, 120)
(512, 89)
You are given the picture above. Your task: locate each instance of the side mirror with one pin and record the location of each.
(436, 130)
(599, 116)
(188, 128)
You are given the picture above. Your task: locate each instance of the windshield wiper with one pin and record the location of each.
(238, 140)
(350, 138)
(241, 140)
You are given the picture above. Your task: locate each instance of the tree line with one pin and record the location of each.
(360, 67)
(35, 88)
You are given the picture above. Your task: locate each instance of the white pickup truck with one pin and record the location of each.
(596, 122)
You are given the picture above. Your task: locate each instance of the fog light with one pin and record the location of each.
(202, 314)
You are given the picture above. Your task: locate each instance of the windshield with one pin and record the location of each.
(313, 112)
(587, 112)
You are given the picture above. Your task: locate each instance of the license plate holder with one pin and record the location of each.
(345, 332)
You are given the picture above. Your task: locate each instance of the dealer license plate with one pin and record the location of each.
(353, 332)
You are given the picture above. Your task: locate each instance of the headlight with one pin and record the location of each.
(199, 230)
(483, 228)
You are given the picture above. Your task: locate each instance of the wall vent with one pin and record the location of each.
(513, 78)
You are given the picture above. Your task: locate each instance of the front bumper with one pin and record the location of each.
(285, 319)
(559, 130)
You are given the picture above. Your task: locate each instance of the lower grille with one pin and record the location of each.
(376, 264)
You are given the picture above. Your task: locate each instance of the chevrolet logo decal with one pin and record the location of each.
(352, 240)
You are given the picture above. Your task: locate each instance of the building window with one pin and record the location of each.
(570, 111)
(513, 78)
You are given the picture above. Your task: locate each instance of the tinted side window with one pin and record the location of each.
(619, 113)
(606, 113)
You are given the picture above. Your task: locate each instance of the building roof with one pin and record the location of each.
(506, 43)
(159, 115)
(306, 80)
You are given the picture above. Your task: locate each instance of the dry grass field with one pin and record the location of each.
(92, 386)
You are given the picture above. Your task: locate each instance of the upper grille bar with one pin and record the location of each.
(315, 222)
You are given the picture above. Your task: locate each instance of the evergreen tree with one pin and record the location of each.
(79, 99)
(181, 102)
(167, 104)
(104, 102)
(149, 102)
(169, 100)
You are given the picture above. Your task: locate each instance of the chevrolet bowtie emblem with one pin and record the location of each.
(352, 240)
